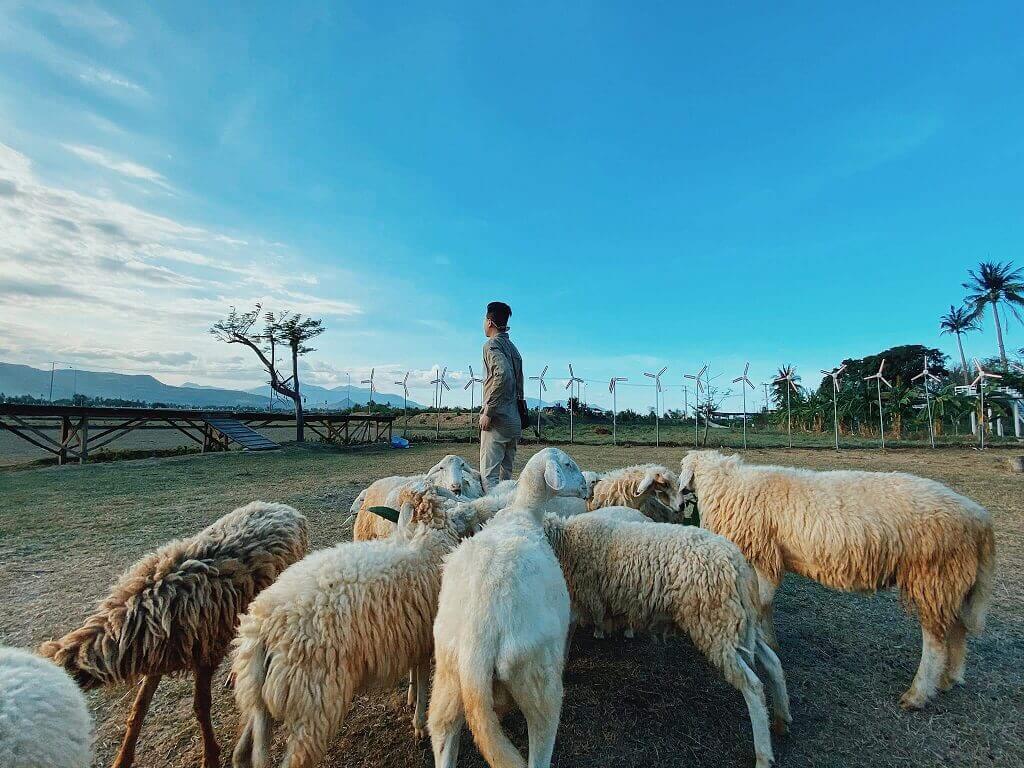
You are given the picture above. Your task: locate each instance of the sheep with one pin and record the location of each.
(453, 473)
(501, 627)
(44, 720)
(651, 488)
(624, 570)
(859, 531)
(342, 621)
(175, 611)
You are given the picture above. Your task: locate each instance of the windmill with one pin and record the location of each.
(613, 386)
(573, 379)
(370, 382)
(440, 385)
(927, 375)
(879, 380)
(834, 375)
(790, 385)
(405, 400)
(541, 388)
(657, 400)
(746, 382)
(980, 383)
(696, 396)
(471, 386)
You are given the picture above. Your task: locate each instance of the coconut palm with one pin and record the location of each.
(991, 285)
(959, 321)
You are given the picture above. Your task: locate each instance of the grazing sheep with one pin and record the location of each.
(344, 620)
(651, 488)
(452, 473)
(626, 571)
(859, 531)
(501, 625)
(176, 609)
(503, 494)
(44, 722)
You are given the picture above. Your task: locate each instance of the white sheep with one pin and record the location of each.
(859, 531)
(343, 620)
(651, 488)
(501, 625)
(452, 473)
(44, 721)
(623, 570)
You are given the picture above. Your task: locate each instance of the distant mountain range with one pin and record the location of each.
(24, 380)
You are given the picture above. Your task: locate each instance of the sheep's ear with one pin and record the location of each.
(404, 519)
(645, 484)
(388, 513)
(686, 468)
(554, 476)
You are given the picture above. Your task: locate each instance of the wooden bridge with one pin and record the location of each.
(71, 432)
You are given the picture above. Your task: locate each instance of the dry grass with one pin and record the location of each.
(65, 533)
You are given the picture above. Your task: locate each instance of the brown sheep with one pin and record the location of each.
(175, 611)
(650, 488)
(858, 531)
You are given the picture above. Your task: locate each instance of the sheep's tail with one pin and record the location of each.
(476, 678)
(972, 612)
(249, 666)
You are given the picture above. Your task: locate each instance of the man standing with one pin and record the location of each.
(500, 425)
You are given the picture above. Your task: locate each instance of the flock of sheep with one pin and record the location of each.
(485, 586)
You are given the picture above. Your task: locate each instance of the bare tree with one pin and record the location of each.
(286, 330)
(713, 399)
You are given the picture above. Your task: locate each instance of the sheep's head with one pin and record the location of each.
(456, 475)
(561, 474)
(663, 485)
(592, 478)
(693, 464)
(431, 507)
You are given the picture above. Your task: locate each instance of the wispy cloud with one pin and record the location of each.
(107, 79)
(126, 168)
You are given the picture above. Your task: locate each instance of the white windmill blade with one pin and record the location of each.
(748, 382)
(746, 370)
(544, 372)
(701, 371)
(469, 384)
(471, 371)
(921, 375)
(611, 384)
(827, 373)
(662, 371)
(649, 375)
(881, 366)
(569, 383)
(543, 385)
(571, 374)
(738, 379)
(884, 380)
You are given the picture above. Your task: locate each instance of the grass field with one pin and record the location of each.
(66, 533)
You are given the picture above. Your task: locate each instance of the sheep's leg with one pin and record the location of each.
(126, 755)
(766, 596)
(926, 681)
(777, 683)
(753, 694)
(538, 693)
(201, 704)
(419, 718)
(446, 714)
(956, 656)
(410, 697)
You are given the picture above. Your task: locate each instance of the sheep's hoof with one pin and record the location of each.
(913, 701)
(780, 726)
(948, 682)
(628, 633)
(421, 732)
(410, 697)
(229, 682)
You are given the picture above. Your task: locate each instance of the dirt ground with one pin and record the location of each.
(66, 533)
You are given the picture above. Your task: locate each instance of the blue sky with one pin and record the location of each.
(795, 183)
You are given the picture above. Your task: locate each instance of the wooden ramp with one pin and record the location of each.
(237, 432)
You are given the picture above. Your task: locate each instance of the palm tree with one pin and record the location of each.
(959, 321)
(994, 283)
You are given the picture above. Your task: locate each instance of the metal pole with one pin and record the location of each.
(928, 400)
(835, 410)
(744, 387)
(657, 421)
(615, 434)
(881, 421)
(981, 426)
(51, 381)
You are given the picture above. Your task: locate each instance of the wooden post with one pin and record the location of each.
(65, 435)
(83, 439)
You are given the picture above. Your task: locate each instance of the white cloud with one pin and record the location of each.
(119, 283)
(126, 168)
(106, 78)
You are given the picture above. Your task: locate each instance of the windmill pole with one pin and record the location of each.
(744, 417)
(881, 421)
(928, 402)
(615, 409)
(835, 409)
